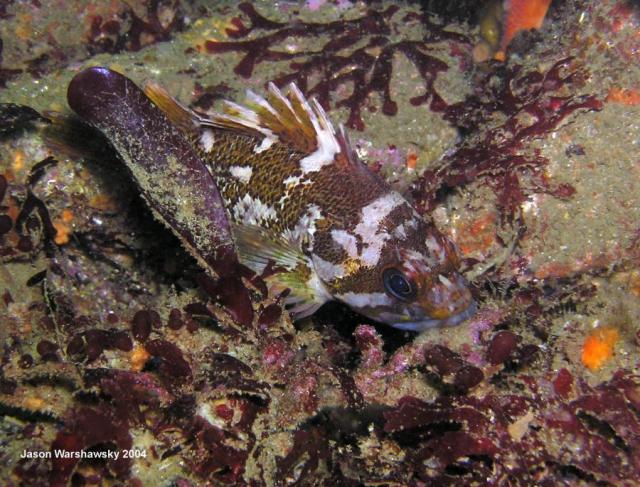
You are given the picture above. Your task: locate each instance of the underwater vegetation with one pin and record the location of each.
(368, 67)
(531, 107)
(115, 339)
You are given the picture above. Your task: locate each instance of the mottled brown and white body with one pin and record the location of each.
(298, 195)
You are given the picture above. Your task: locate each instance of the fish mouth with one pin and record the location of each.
(452, 320)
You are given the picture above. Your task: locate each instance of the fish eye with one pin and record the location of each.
(396, 284)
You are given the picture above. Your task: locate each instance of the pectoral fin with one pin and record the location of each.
(257, 246)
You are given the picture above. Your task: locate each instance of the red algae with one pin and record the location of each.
(141, 325)
(232, 294)
(89, 427)
(499, 160)
(367, 68)
(310, 448)
(172, 364)
(269, 315)
(563, 383)
(472, 453)
(278, 354)
(451, 368)
(501, 347)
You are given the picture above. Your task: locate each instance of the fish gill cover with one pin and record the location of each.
(114, 340)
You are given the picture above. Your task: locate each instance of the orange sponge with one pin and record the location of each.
(598, 347)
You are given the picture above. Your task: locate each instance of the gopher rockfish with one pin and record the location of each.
(298, 195)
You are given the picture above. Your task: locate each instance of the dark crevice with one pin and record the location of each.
(604, 429)
(26, 415)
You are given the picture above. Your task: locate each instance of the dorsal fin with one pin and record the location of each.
(182, 117)
(348, 156)
(290, 120)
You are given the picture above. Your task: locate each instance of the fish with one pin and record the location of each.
(297, 195)
(520, 15)
(502, 20)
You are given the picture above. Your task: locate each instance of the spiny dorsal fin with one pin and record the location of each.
(348, 156)
(179, 115)
(290, 119)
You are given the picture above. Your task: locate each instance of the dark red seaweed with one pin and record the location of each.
(369, 67)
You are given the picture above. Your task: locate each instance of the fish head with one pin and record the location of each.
(416, 285)
(426, 287)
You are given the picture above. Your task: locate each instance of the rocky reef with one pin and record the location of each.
(126, 362)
